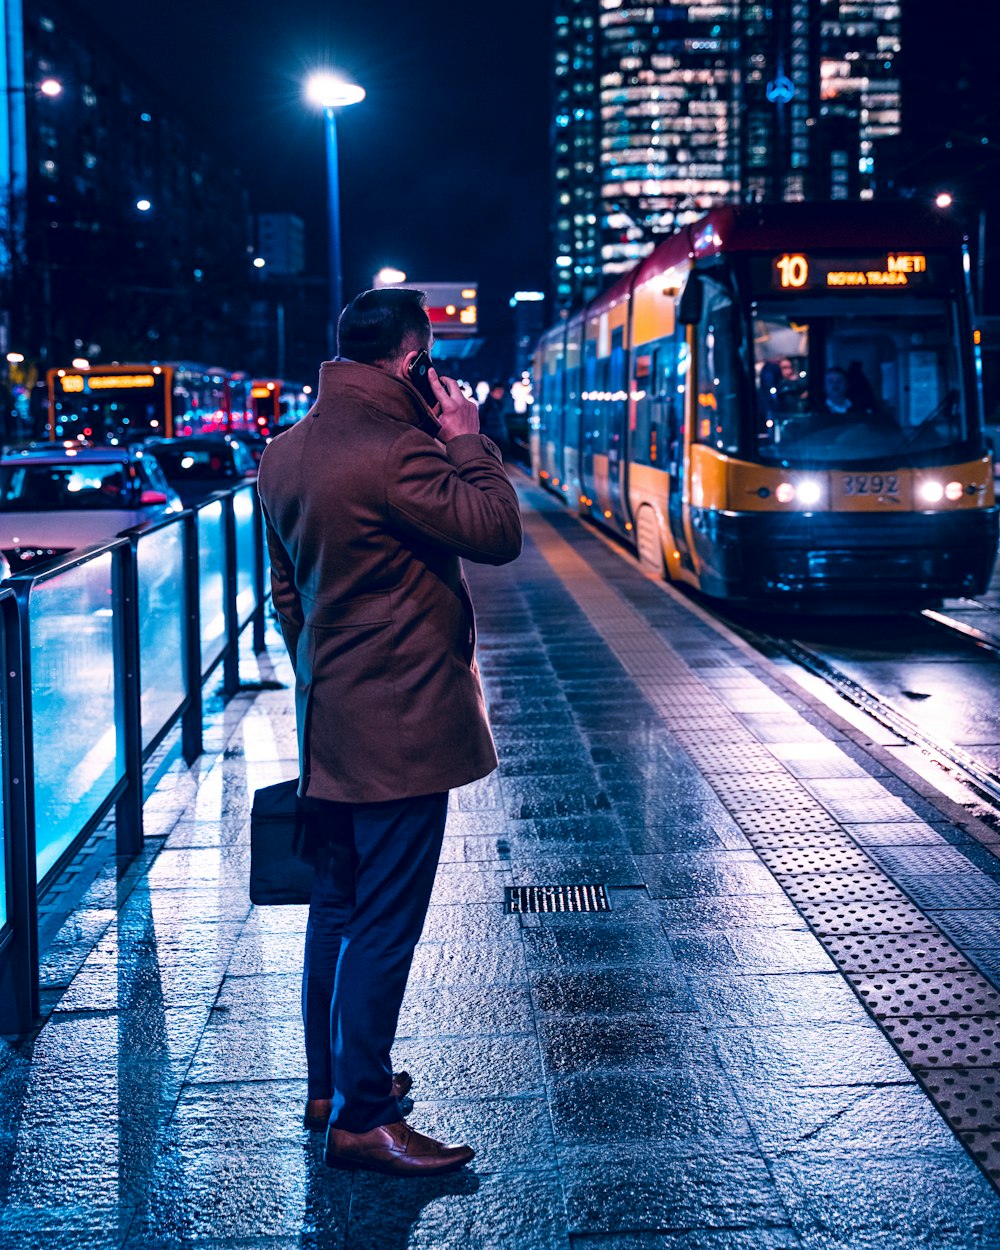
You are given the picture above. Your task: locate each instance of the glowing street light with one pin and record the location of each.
(143, 205)
(944, 199)
(330, 93)
(389, 277)
(50, 87)
(259, 262)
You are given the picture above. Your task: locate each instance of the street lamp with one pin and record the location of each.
(330, 93)
(389, 276)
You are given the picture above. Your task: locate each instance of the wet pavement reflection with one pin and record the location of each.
(688, 1070)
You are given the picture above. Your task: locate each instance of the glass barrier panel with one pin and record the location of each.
(246, 597)
(160, 559)
(267, 557)
(212, 582)
(4, 818)
(78, 743)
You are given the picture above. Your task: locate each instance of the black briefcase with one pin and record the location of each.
(279, 826)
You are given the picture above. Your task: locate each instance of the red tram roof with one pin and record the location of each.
(797, 227)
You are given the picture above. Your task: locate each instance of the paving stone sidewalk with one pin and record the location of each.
(688, 1071)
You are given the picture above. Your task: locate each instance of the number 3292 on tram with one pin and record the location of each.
(780, 405)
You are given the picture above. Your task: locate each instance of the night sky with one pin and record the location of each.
(444, 168)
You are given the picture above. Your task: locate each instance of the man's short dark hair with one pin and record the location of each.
(378, 326)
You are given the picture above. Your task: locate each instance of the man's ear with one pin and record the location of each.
(403, 365)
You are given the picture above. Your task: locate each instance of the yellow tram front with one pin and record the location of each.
(772, 422)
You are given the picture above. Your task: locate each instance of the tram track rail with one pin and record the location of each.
(978, 776)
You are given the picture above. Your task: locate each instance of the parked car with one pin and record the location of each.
(196, 466)
(254, 443)
(55, 500)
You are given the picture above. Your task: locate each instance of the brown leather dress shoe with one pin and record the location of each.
(317, 1114)
(395, 1149)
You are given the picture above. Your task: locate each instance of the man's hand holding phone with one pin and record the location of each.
(455, 414)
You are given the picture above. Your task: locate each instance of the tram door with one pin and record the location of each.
(590, 413)
(616, 413)
(605, 414)
(572, 412)
(677, 382)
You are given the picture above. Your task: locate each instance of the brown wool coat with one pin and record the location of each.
(367, 516)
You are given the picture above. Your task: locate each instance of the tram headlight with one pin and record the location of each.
(809, 492)
(932, 492)
(954, 491)
(784, 492)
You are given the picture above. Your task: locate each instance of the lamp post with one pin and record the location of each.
(331, 93)
(945, 200)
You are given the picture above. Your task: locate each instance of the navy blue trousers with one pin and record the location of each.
(373, 882)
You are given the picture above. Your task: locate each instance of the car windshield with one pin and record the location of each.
(34, 487)
(839, 389)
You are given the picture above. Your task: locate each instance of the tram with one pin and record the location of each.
(122, 403)
(780, 405)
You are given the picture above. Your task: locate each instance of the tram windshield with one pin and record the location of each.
(836, 386)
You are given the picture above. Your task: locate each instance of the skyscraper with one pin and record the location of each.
(662, 111)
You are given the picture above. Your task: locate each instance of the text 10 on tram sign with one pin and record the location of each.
(796, 272)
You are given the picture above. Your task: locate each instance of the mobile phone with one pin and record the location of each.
(417, 371)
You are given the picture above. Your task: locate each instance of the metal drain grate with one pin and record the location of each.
(555, 898)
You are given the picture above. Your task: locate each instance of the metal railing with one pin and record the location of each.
(104, 651)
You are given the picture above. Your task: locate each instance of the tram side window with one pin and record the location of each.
(590, 365)
(571, 403)
(718, 377)
(657, 413)
(616, 380)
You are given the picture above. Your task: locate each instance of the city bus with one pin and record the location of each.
(122, 403)
(276, 404)
(780, 404)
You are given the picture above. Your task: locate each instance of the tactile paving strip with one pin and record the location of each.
(747, 790)
(819, 859)
(927, 994)
(952, 1042)
(896, 957)
(970, 1096)
(843, 918)
(784, 821)
(984, 1148)
(782, 840)
(840, 887)
(894, 952)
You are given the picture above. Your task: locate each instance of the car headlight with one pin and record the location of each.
(932, 492)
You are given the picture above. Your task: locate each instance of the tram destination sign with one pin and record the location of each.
(791, 272)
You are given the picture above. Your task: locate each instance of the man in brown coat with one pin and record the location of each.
(369, 503)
